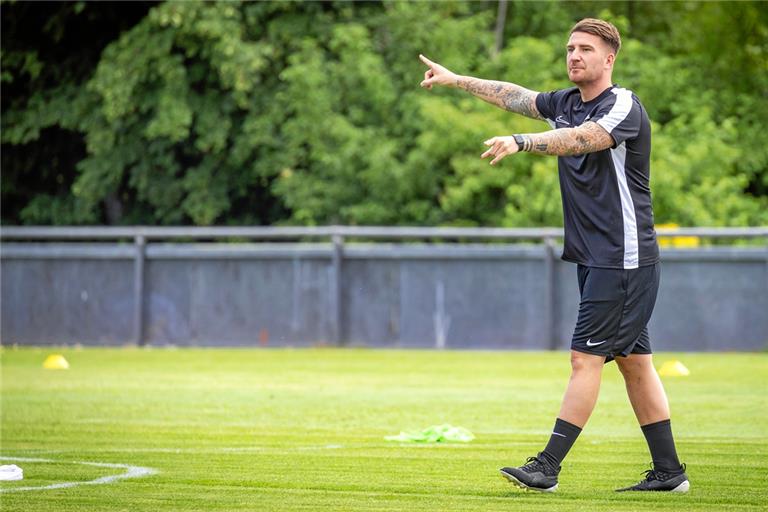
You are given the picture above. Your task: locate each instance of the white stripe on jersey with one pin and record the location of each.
(610, 121)
(631, 256)
(619, 110)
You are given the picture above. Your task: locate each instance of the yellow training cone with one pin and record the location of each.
(674, 369)
(55, 362)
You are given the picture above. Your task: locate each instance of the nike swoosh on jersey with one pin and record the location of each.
(590, 344)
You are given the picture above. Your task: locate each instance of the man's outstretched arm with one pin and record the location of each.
(587, 138)
(505, 95)
(508, 96)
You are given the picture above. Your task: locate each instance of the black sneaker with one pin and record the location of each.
(656, 480)
(535, 474)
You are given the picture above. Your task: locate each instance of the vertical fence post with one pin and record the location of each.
(138, 290)
(766, 268)
(337, 313)
(550, 314)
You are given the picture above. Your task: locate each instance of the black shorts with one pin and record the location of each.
(614, 310)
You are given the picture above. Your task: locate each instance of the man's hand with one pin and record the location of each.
(437, 75)
(500, 147)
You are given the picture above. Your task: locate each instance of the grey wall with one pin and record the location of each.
(394, 295)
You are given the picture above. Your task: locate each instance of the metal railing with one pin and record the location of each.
(295, 232)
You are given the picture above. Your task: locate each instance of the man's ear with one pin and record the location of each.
(610, 59)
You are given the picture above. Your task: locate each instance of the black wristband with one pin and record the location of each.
(520, 142)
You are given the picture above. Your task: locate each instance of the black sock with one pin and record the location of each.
(662, 446)
(563, 436)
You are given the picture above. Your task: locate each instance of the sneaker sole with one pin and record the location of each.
(513, 480)
(682, 488)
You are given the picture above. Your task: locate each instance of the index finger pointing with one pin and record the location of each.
(426, 60)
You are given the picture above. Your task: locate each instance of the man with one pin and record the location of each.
(602, 137)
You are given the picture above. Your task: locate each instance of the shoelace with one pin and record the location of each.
(533, 463)
(653, 474)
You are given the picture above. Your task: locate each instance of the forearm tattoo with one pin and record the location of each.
(587, 138)
(505, 95)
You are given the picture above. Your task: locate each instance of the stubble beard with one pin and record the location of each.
(585, 79)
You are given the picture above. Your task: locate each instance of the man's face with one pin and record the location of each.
(589, 58)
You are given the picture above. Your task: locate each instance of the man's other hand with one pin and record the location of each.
(436, 74)
(500, 147)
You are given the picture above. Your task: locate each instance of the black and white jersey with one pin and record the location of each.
(606, 195)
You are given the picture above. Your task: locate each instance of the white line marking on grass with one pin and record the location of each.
(326, 447)
(132, 472)
(214, 450)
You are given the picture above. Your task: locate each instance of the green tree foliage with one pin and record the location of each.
(310, 113)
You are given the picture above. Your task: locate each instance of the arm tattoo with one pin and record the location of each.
(587, 138)
(504, 95)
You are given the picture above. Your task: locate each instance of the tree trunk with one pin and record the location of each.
(114, 209)
(501, 19)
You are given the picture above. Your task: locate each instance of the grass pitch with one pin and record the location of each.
(303, 430)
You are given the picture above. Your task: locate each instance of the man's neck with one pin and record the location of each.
(592, 90)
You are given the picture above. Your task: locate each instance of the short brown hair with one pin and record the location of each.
(602, 29)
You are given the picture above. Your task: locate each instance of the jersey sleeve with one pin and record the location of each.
(551, 104)
(546, 104)
(621, 118)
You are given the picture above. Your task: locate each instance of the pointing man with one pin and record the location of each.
(602, 138)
